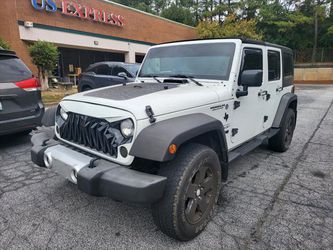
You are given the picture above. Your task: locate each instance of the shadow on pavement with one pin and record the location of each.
(14, 139)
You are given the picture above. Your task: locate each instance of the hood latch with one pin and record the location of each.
(150, 114)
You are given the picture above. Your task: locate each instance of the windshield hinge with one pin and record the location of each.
(150, 114)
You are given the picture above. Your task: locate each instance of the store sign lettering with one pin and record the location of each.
(81, 11)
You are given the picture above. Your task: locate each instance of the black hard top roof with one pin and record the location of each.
(243, 39)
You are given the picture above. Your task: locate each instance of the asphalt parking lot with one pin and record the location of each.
(271, 200)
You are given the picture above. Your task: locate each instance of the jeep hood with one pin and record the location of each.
(163, 98)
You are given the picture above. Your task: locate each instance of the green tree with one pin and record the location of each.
(4, 44)
(281, 26)
(45, 56)
(231, 27)
(179, 14)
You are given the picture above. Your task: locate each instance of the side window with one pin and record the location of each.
(274, 65)
(103, 70)
(288, 64)
(93, 69)
(252, 59)
(117, 69)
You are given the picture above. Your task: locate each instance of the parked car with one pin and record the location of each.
(21, 107)
(168, 138)
(104, 74)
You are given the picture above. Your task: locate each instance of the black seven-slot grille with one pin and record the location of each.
(92, 132)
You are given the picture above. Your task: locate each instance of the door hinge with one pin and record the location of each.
(234, 131)
(265, 118)
(150, 114)
(226, 117)
(236, 104)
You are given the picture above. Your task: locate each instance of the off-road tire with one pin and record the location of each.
(281, 141)
(48, 119)
(169, 213)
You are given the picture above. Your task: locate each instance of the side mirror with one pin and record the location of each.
(251, 78)
(123, 75)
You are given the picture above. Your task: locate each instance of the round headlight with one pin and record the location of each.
(63, 113)
(127, 128)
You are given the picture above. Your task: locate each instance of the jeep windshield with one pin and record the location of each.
(211, 61)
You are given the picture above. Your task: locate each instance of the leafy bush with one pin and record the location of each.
(4, 44)
(45, 56)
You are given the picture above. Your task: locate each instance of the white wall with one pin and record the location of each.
(66, 39)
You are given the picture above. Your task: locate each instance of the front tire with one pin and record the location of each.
(193, 185)
(282, 140)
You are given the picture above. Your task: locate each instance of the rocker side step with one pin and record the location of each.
(247, 147)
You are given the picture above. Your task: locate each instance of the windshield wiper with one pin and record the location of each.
(154, 77)
(187, 77)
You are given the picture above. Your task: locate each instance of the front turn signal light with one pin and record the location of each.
(172, 149)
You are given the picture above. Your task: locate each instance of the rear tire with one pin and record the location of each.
(282, 140)
(192, 190)
(48, 119)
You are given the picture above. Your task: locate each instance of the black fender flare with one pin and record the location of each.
(285, 102)
(153, 142)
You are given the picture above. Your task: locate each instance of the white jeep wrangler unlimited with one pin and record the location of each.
(167, 138)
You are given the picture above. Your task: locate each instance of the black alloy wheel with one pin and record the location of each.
(200, 194)
(191, 193)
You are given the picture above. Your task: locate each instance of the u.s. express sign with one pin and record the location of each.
(82, 11)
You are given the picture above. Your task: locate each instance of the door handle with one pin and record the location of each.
(279, 89)
(262, 93)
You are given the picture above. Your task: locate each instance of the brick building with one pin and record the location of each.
(85, 31)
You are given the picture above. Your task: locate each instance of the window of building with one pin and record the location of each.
(288, 64)
(103, 70)
(274, 65)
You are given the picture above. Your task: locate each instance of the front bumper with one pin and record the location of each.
(95, 176)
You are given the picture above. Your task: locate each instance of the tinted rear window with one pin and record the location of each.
(288, 65)
(13, 69)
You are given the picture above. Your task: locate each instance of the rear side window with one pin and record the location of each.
(288, 64)
(103, 70)
(13, 69)
(274, 68)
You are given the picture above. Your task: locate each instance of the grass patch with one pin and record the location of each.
(54, 96)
